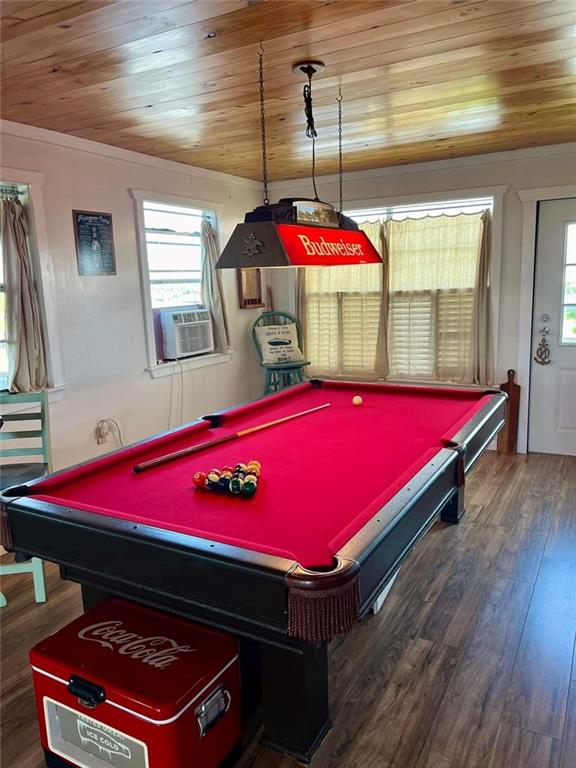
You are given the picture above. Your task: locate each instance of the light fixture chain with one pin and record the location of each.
(263, 126)
(340, 161)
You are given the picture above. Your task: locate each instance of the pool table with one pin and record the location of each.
(345, 493)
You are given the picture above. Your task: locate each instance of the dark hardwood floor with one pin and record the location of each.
(469, 664)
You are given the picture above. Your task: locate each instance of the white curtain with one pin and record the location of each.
(439, 301)
(212, 291)
(482, 351)
(344, 316)
(425, 314)
(26, 361)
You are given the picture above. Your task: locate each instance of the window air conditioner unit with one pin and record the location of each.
(186, 332)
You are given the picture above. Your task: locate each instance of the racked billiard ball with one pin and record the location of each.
(199, 479)
(236, 485)
(224, 483)
(249, 488)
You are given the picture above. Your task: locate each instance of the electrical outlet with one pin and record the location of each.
(102, 431)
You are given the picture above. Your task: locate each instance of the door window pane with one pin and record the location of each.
(571, 243)
(570, 285)
(569, 292)
(569, 324)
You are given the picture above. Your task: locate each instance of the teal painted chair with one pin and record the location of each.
(24, 423)
(279, 375)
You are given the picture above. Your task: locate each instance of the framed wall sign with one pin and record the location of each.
(94, 243)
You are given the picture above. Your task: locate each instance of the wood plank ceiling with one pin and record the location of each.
(421, 79)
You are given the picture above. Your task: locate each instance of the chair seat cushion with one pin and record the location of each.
(286, 366)
(16, 474)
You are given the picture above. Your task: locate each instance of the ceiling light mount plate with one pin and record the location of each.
(308, 67)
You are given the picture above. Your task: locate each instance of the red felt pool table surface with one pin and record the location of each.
(323, 475)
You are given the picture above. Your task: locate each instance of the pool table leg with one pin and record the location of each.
(454, 509)
(295, 698)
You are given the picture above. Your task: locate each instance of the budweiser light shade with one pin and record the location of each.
(272, 244)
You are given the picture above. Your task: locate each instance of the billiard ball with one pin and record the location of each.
(236, 485)
(251, 478)
(224, 483)
(248, 488)
(199, 479)
(357, 400)
(255, 463)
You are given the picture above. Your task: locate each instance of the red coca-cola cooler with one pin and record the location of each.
(124, 686)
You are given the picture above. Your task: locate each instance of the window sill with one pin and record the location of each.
(188, 364)
(54, 396)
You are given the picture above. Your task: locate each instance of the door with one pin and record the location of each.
(552, 422)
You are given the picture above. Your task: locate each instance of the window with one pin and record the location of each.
(422, 324)
(433, 266)
(178, 251)
(569, 288)
(174, 254)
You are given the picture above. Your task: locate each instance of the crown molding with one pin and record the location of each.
(514, 155)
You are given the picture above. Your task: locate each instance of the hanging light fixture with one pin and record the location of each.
(297, 232)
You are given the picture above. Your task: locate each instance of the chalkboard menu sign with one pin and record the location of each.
(94, 243)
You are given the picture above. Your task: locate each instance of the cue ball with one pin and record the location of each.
(357, 400)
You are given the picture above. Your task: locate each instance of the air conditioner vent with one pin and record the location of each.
(186, 333)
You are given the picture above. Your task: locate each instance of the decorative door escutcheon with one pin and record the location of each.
(543, 356)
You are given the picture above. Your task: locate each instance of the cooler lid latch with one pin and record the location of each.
(88, 694)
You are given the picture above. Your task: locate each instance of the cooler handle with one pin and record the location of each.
(88, 694)
(212, 709)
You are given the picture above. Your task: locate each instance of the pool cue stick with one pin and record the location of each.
(218, 440)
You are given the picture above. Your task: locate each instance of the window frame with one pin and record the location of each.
(43, 276)
(159, 369)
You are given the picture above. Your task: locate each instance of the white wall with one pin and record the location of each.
(523, 169)
(100, 319)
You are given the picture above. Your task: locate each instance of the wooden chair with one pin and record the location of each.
(279, 375)
(24, 410)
